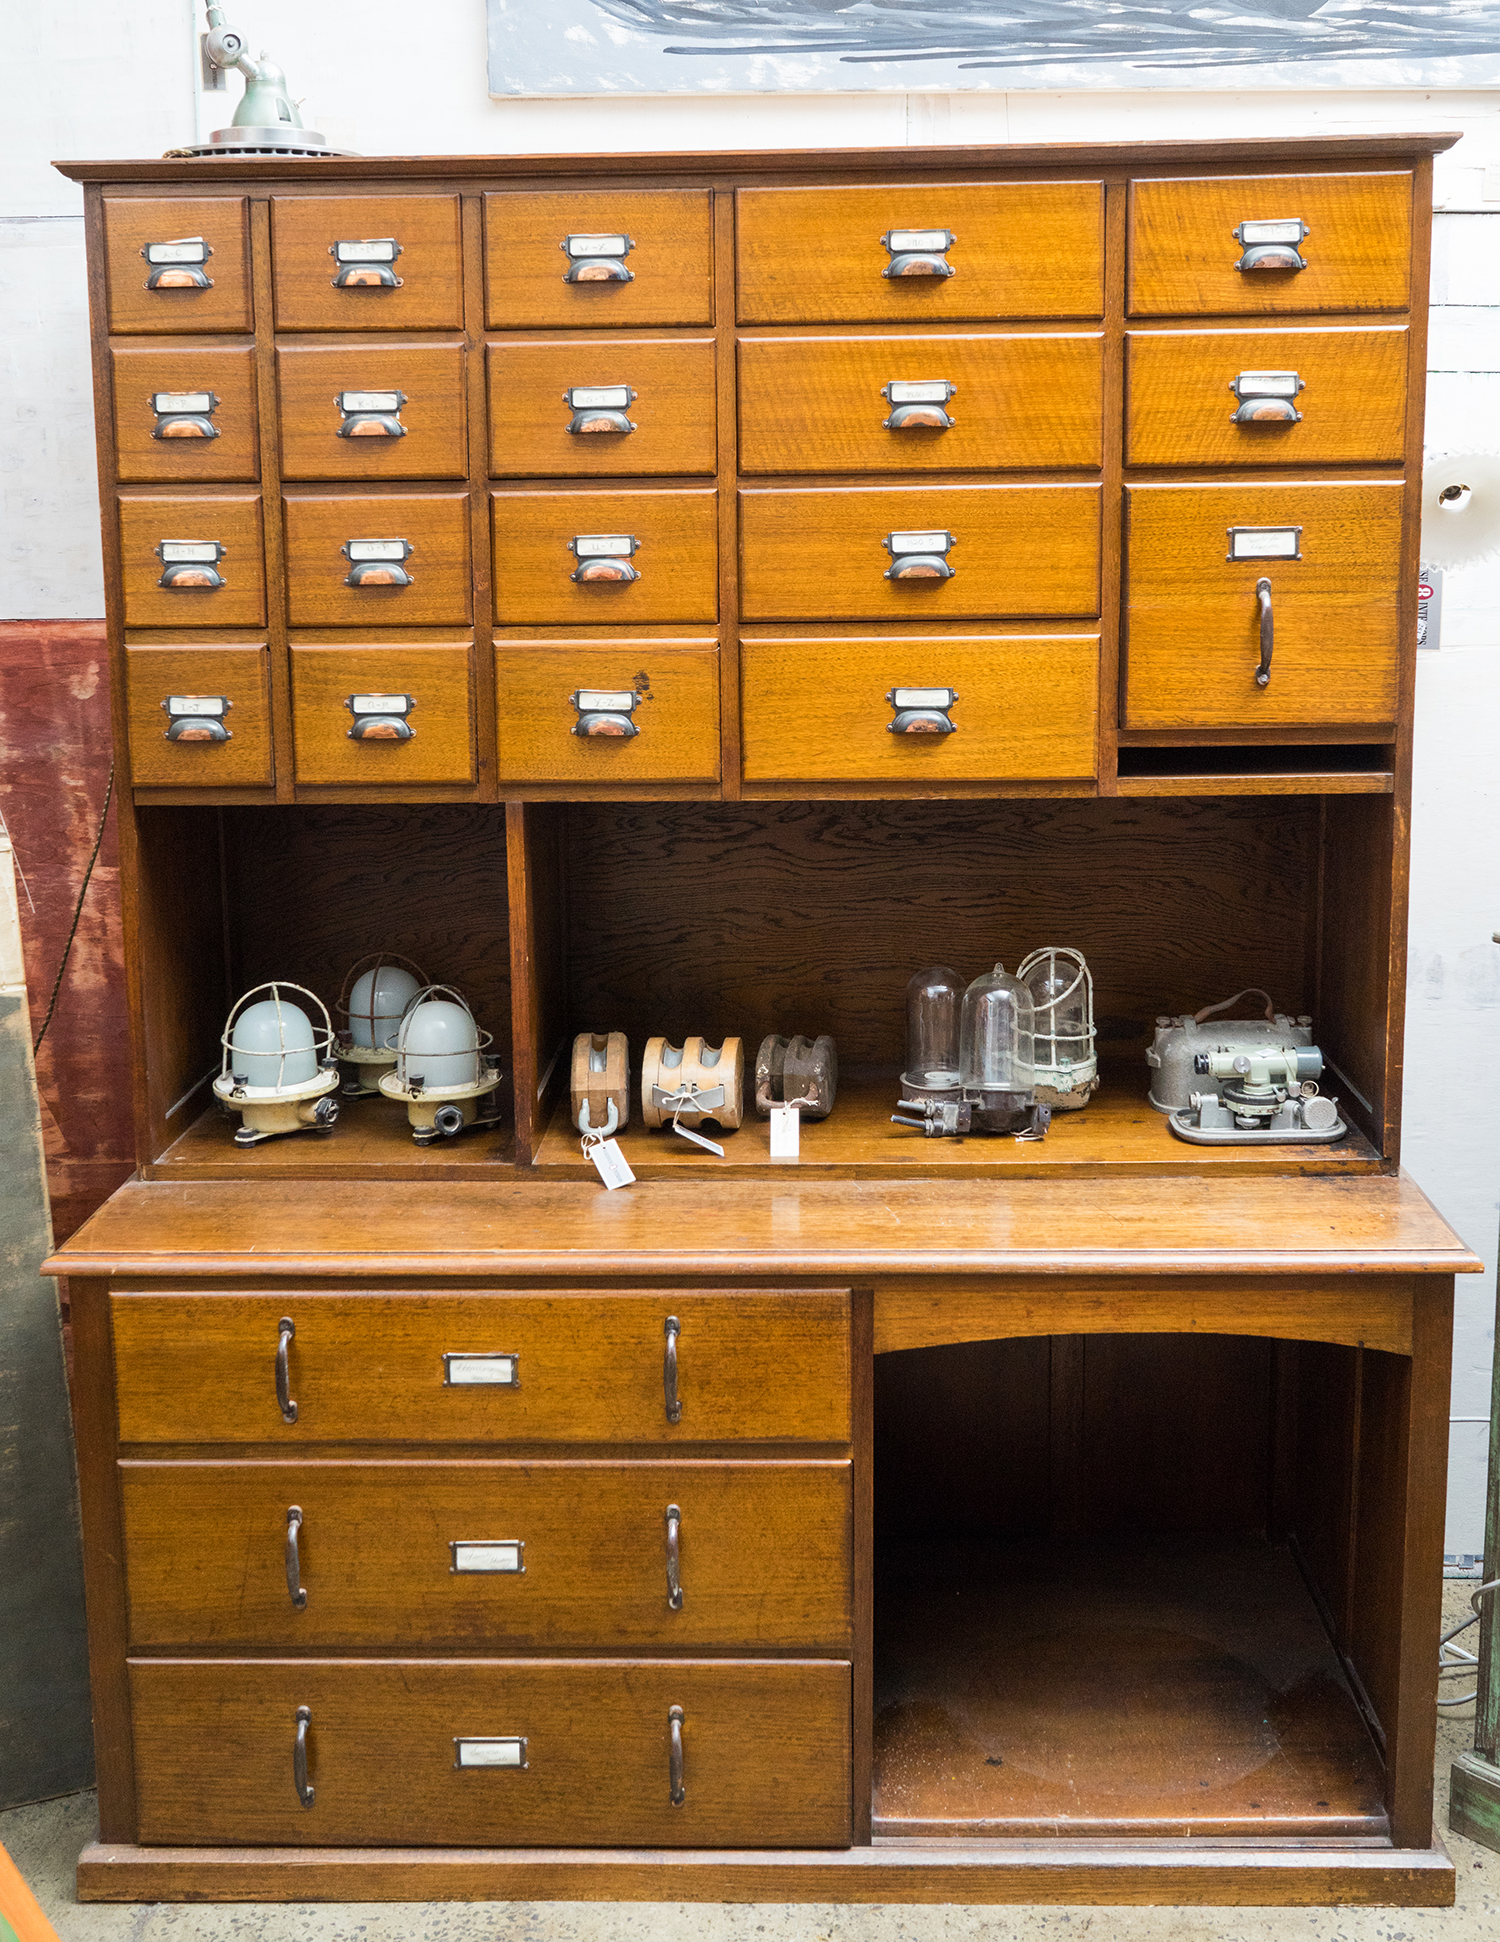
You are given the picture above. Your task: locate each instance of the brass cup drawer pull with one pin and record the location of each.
(607, 712)
(599, 408)
(190, 563)
(675, 1782)
(922, 711)
(178, 265)
(286, 1329)
(381, 718)
(306, 1792)
(918, 404)
(1265, 398)
(1271, 245)
(672, 1330)
(918, 252)
(296, 1590)
(197, 718)
(184, 414)
(370, 414)
(674, 1558)
(597, 259)
(604, 559)
(377, 562)
(919, 556)
(367, 264)
(1267, 632)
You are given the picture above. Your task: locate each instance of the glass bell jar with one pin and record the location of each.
(996, 1056)
(1062, 992)
(933, 999)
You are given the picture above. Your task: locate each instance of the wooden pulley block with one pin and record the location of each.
(600, 1084)
(797, 1068)
(712, 1075)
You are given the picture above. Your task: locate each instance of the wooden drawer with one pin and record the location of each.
(1184, 252)
(813, 554)
(1022, 249)
(676, 559)
(1181, 401)
(312, 378)
(671, 409)
(425, 291)
(526, 264)
(1020, 404)
(240, 675)
(765, 1753)
(488, 1555)
(587, 1368)
(216, 374)
(179, 301)
(434, 525)
(676, 711)
(437, 681)
(816, 711)
(151, 525)
(1192, 615)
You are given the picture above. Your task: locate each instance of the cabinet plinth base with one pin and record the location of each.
(1244, 1874)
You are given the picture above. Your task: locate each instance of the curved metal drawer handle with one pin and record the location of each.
(669, 1371)
(305, 1793)
(674, 1558)
(674, 1761)
(1267, 633)
(286, 1328)
(295, 1588)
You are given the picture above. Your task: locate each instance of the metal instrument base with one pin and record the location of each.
(1184, 1123)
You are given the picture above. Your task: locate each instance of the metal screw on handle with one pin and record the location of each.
(1267, 633)
(305, 1792)
(669, 1371)
(286, 1329)
(295, 1588)
(674, 1763)
(674, 1558)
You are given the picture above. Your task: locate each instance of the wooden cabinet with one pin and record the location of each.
(525, 567)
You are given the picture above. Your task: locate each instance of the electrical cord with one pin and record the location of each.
(77, 911)
(1462, 1660)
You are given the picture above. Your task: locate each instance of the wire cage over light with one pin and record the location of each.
(440, 1067)
(374, 995)
(278, 1069)
(1063, 1036)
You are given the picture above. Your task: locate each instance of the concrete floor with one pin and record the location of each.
(45, 1841)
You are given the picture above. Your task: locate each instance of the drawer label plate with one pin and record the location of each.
(487, 1555)
(489, 1753)
(492, 1371)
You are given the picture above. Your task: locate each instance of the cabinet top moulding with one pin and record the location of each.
(1241, 156)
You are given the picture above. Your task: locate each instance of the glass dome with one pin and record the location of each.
(272, 1042)
(1062, 990)
(996, 1051)
(438, 1043)
(933, 998)
(377, 1001)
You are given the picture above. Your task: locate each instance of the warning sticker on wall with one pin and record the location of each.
(1429, 606)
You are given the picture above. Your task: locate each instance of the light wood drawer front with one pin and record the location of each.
(662, 389)
(1193, 635)
(488, 1555)
(764, 1762)
(586, 1368)
(541, 539)
(212, 437)
(193, 759)
(322, 438)
(1019, 404)
(1022, 249)
(821, 710)
(548, 736)
(526, 265)
(327, 588)
(364, 748)
(1186, 390)
(1184, 252)
(159, 280)
(334, 268)
(190, 540)
(1022, 551)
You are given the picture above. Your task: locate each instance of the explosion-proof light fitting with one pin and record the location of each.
(278, 1068)
(1062, 991)
(371, 1001)
(441, 1071)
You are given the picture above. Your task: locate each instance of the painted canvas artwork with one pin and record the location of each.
(564, 47)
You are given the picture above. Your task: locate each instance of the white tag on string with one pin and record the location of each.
(786, 1132)
(709, 1146)
(610, 1163)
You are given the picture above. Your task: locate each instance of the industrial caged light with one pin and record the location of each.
(440, 1070)
(374, 995)
(278, 1069)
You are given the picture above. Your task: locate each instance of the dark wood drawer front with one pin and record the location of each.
(664, 277)
(1266, 397)
(764, 1753)
(1020, 249)
(565, 1368)
(601, 407)
(185, 417)
(551, 566)
(197, 757)
(1017, 551)
(1185, 257)
(356, 411)
(1193, 616)
(342, 738)
(549, 731)
(366, 262)
(192, 559)
(488, 1555)
(177, 263)
(377, 559)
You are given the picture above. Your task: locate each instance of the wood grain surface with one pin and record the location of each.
(525, 265)
(130, 223)
(140, 372)
(1180, 406)
(231, 518)
(677, 716)
(676, 562)
(435, 524)
(672, 412)
(310, 379)
(238, 673)
(440, 680)
(765, 1751)
(1024, 249)
(304, 230)
(1183, 250)
(1021, 404)
(764, 1555)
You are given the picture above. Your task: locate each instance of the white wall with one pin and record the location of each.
(100, 79)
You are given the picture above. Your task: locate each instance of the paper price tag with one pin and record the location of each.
(697, 1139)
(612, 1166)
(786, 1133)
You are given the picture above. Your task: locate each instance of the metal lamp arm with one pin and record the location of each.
(225, 47)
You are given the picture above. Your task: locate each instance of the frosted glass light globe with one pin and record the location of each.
(376, 1003)
(440, 1044)
(272, 1045)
